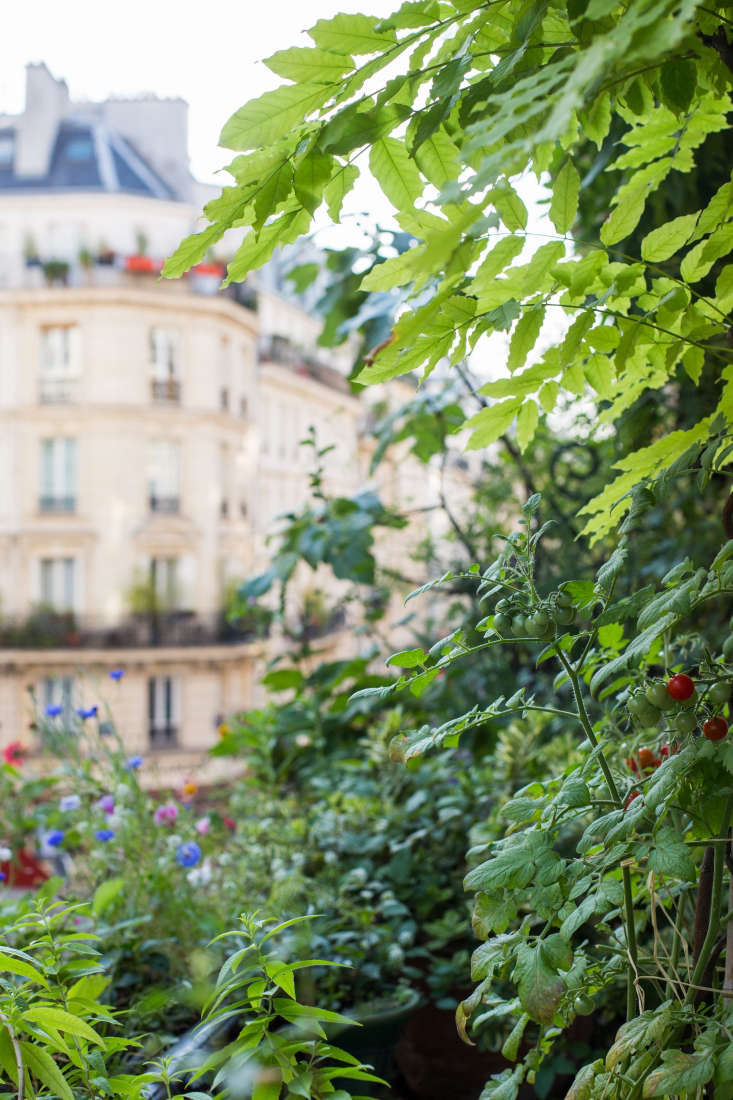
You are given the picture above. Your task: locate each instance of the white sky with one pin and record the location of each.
(209, 53)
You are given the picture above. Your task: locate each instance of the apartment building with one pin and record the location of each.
(149, 430)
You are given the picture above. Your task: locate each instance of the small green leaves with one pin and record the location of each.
(407, 658)
(265, 120)
(352, 34)
(306, 65)
(663, 242)
(396, 172)
(564, 205)
(537, 975)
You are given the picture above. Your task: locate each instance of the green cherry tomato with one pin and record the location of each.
(658, 695)
(564, 599)
(503, 605)
(728, 648)
(643, 710)
(720, 692)
(583, 1005)
(685, 722)
(503, 623)
(565, 615)
(519, 626)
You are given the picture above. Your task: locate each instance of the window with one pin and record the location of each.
(163, 711)
(58, 583)
(166, 386)
(59, 364)
(7, 150)
(58, 691)
(58, 475)
(224, 398)
(225, 469)
(164, 468)
(164, 580)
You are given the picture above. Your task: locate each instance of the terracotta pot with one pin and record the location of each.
(140, 264)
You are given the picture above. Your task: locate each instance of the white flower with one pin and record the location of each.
(173, 841)
(302, 740)
(199, 876)
(5, 855)
(69, 802)
(122, 792)
(224, 859)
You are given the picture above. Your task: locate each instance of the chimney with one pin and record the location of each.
(46, 103)
(158, 129)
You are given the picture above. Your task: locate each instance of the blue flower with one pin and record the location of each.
(188, 854)
(133, 762)
(87, 712)
(104, 835)
(69, 802)
(116, 673)
(55, 838)
(54, 710)
(2, 876)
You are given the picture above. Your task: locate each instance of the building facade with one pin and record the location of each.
(149, 430)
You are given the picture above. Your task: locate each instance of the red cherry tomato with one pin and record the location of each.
(680, 687)
(648, 760)
(630, 798)
(715, 729)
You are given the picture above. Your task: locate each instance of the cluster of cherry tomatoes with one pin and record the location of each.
(679, 694)
(514, 617)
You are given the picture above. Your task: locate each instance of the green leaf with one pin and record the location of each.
(281, 679)
(268, 118)
(565, 190)
(352, 34)
(538, 984)
(274, 190)
(407, 658)
(663, 242)
(307, 65)
(336, 190)
(311, 176)
(670, 855)
(9, 964)
(267, 1090)
(524, 337)
(499, 258)
(639, 645)
(680, 1072)
(42, 1066)
(106, 893)
(491, 423)
(437, 159)
(526, 424)
(395, 172)
(509, 207)
(678, 79)
(60, 1020)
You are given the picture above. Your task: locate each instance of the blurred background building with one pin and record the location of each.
(149, 429)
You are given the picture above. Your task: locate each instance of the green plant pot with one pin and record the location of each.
(379, 1026)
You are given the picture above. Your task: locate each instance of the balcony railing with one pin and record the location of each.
(57, 504)
(57, 391)
(49, 629)
(166, 391)
(163, 737)
(169, 506)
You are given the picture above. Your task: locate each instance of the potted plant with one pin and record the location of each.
(56, 272)
(106, 256)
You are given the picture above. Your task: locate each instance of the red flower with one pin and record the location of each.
(230, 823)
(14, 753)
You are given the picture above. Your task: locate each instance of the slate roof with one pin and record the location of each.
(88, 156)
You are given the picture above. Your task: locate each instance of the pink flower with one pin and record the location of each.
(166, 815)
(107, 803)
(230, 824)
(203, 825)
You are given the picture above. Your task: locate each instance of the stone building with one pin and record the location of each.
(149, 430)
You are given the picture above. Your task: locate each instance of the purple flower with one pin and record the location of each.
(107, 803)
(104, 834)
(55, 837)
(133, 762)
(87, 712)
(116, 673)
(53, 710)
(188, 854)
(166, 815)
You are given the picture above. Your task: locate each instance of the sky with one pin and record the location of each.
(208, 53)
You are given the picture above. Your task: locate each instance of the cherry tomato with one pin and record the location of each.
(564, 599)
(667, 749)
(584, 1005)
(720, 692)
(648, 760)
(502, 623)
(685, 722)
(643, 710)
(503, 605)
(715, 729)
(519, 626)
(565, 614)
(658, 696)
(630, 798)
(680, 687)
(728, 648)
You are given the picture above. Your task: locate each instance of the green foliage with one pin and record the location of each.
(478, 100)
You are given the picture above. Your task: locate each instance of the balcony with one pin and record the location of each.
(163, 737)
(49, 629)
(57, 505)
(57, 391)
(165, 391)
(168, 506)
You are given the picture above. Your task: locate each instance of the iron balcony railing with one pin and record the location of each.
(168, 505)
(166, 391)
(48, 629)
(64, 504)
